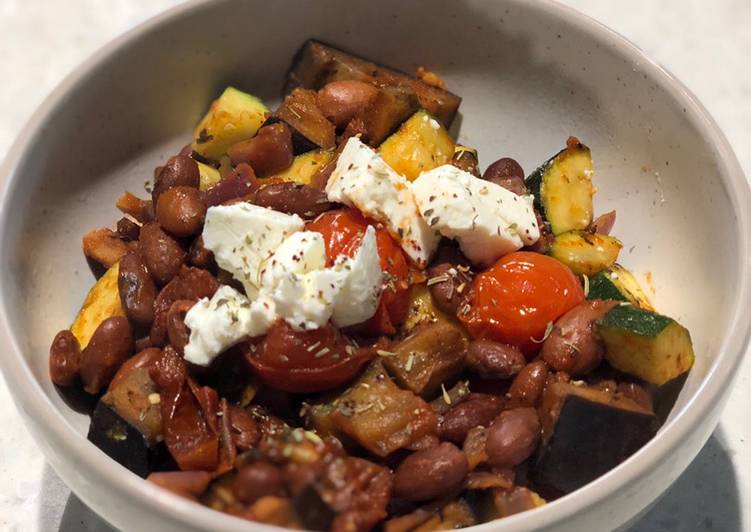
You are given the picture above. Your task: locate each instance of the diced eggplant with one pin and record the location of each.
(645, 344)
(563, 188)
(430, 356)
(618, 283)
(422, 310)
(310, 128)
(124, 443)
(375, 413)
(419, 145)
(390, 107)
(586, 432)
(135, 399)
(317, 64)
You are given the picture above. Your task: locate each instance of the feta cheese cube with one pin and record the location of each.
(218, 323)
(487, 220)
(363, 180)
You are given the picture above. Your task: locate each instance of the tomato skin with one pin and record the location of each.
(305, 361)
(343, 230)
(515, 299)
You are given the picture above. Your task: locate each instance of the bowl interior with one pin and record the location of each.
(528, 79)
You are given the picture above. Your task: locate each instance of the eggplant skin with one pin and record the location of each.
(589, 439)
(124, 443)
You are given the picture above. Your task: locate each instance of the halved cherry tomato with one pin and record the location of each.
(188, 414)
(343, 231)
(305, 361)
(516, 298)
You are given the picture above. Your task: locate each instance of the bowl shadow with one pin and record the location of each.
(704, 497)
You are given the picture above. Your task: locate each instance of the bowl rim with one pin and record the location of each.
(98, 467)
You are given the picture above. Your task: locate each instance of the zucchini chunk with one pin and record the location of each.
(232, 117)
(645, 344)
(102, 302)
(305, 166)
(317, 64)
(419, 145)
(563, 188)
(209, 176)
(586, 432)
(584, 252)
(619, 284)
(466, 159)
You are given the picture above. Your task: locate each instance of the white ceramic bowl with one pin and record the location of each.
(531, 73)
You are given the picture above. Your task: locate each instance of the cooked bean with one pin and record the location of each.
(574, 346)
(431, 473)
(181, 210)
(137, 289)
(269, 152)
(529, 384)
(257, 480)
(161, 253)
(199, 256)
(341, 100)
(180, 171)
(110, 346)
(448, 285)
(176, 329)
(65, 358)
(478, 410)
(512, 437)
(240, 183)
(142, 359)
(127, 229)
(467, 161)
(191, 284)
(292, 198)
(494, 360)
(507, 173)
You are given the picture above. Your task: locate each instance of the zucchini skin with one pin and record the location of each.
(647, 345)
(602, 287)
(563, 188)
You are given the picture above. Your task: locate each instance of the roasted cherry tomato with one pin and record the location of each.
(343, 231)
(305, 361)
(516, 298)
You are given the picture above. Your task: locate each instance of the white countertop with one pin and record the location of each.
(706, 45)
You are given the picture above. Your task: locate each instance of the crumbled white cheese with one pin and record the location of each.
(218, 323)
(363, 281)
(487, 220)
(295, 285)
(242, 236)
(362, 179)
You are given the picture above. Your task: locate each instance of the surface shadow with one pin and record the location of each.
(705, 496)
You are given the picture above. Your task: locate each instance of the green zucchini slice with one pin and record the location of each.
(645, 344)
(563, 188)
(584, 252)
(619, 284)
